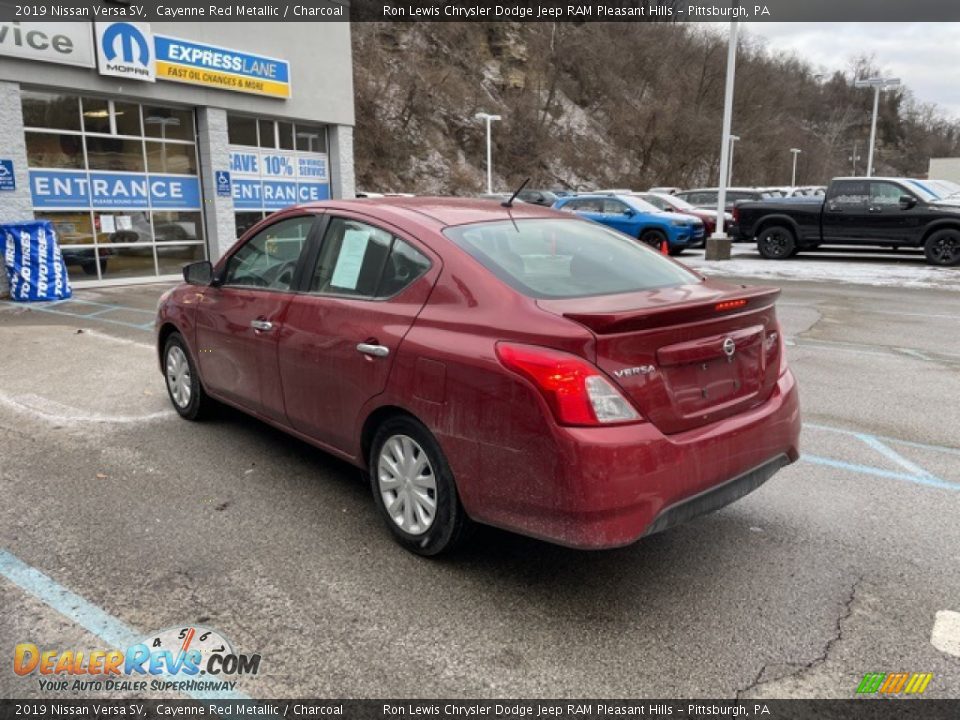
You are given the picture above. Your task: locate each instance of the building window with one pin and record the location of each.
(241, 130)
(275, 164)
(118, 181)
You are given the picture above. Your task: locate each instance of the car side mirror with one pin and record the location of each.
(669, 208)
(629, 212)
(198, 273)
(907, 202)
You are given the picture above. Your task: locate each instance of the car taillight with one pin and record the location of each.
(776, 343)
(736, 214)
(577, 392)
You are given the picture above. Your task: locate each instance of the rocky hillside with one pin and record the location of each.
(610, 105)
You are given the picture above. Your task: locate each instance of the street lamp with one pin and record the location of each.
(733, 139)
(489, 119)
(793, 177)
(878, 84)
(718, 244)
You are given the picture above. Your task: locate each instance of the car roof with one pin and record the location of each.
(440, 211)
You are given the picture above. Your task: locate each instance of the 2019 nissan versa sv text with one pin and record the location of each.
(513, 366)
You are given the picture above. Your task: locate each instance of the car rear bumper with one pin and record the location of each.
(619, 484)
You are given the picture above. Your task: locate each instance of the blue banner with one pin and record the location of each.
(33, 262)
(249, 194)
(212, 57)
(104, 190)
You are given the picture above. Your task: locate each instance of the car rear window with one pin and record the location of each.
(554, 258)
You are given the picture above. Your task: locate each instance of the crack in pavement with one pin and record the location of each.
(846, 611)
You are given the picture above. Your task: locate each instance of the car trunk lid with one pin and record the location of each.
(688, 355)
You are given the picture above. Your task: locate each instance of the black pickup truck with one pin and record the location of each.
(881, 212)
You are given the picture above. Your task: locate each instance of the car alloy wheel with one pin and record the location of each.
(776, 243)
(407, 484)
(943, 248)
(179, 379)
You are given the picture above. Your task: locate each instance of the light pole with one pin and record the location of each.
(489, 119)
(718, 244)
(878, 84)
(733, 139)
(793, 177)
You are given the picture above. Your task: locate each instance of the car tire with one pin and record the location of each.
(653, 238)
(183, 381)
(776, 242)
(414, 489)
(942, 248)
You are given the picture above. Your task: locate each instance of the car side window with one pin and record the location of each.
(656, 202)
(269, 258)
(885, 193)
(850, 193)
(360, 260)
(614, 207)
(594, 206)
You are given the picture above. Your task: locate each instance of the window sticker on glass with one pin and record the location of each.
(124, 222)
(347, 271)
(107, 224)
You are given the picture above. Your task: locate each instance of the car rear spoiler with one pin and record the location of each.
(737, 301)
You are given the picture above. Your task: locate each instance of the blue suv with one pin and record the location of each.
(637, 218)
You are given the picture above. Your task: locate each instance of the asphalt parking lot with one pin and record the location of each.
(120, 519)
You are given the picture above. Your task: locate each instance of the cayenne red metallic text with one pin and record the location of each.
(512, 366)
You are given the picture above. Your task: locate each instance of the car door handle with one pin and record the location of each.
(261, 325)
(373, 350)
(874, 209)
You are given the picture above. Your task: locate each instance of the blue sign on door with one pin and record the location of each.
(7, 180)
(104, 190)
(223, 183)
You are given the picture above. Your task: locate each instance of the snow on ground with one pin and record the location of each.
(858, 268)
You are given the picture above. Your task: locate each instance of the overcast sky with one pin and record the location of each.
(925, 56)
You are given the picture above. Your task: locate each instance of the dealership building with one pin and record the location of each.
(151, 145)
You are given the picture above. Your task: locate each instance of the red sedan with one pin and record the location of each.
(671, 203)
(517, 367)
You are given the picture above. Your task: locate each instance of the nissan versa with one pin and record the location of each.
(513, 366)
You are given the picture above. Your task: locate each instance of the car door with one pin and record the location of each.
(238, 319)
(886, 220)
(620, 216)
(365, 284)
(845, 211)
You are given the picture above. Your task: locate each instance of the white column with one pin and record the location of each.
(340, 160)
(212, 145)
(15, 206)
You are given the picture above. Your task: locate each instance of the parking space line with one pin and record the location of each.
(79, 610)
(880, 444)
(885, 438)
(109, 306)
(893, 455)
(63, 313)
(928, 480)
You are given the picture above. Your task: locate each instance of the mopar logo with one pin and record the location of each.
(132, 44)
(126, 50)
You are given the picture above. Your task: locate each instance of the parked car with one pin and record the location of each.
(881, 212)
(637, 218)
(538, 197)
(517, 367)
(707, 197)
(672, 203)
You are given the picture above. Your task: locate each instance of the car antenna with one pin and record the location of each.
(509, 203)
